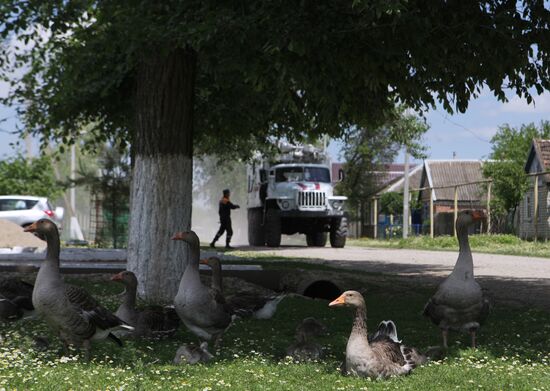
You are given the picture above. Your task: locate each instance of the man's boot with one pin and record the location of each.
(213, 243)
(227, 245)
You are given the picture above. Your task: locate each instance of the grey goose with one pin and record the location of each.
(150, 321)
(202, 309)
(69, 310)
(244, 304)
(381, 357)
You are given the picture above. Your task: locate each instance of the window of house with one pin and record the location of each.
(528, 205)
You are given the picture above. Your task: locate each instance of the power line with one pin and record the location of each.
(446, 118)
(13, 132)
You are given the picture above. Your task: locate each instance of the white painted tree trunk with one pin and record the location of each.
(162, 145)
(161, 205)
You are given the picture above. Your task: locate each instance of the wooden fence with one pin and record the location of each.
(455, 206)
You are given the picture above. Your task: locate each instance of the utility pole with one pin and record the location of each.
(28, 147)
(75, 230)
(406, 196)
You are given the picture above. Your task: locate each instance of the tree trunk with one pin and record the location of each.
(162, 174)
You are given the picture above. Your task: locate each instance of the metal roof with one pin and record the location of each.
(453, 172)
(541, 149)
(398, 182)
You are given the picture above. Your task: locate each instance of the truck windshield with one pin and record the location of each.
(302, 174)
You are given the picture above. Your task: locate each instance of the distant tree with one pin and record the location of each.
(35, 177)
(368, 150)
(391, 203)
(110, 184)
(510, 146)
(415, 203)
(169, 77)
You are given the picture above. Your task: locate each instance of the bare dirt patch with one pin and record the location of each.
(12, 235)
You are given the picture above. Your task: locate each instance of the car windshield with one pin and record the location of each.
(15, 204)
(306, 174)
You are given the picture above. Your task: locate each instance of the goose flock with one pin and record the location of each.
(78, 319)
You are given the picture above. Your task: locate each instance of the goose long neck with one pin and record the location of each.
(217, 277)
(359, 328)
(130, 295)
(464, 265)
(192, 268)
(52, 252)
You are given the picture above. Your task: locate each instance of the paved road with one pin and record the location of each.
(410, 262)
(394, 261)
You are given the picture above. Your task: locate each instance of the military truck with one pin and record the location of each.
(292, 193)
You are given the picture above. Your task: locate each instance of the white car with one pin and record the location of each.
(25, 210)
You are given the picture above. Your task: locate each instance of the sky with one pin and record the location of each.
(465, 135)
(468, 135)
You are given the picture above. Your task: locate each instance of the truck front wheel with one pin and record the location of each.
(256, 235)
(338, 232)
(272, 228)
(316, 239)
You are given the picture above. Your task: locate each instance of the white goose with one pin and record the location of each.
(459, 304)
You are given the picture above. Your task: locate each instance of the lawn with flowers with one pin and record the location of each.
(513, 353)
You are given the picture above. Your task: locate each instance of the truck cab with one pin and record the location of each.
(291, 197)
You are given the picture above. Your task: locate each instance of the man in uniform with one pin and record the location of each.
(225, 219)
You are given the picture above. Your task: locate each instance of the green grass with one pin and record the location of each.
(494, 244)
(513, 353)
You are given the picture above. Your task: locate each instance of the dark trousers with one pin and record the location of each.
(225, 225)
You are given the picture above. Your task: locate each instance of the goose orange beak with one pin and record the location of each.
(31, 228)
(203, 261)
(341, 300)
(117, 277)
(179, 236)
(478, 215)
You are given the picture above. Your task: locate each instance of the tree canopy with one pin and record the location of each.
(267, 68)
(368, 150)
(34, 177)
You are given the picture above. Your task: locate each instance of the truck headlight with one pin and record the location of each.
(336, 204)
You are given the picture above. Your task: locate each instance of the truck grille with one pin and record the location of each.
(311, 199)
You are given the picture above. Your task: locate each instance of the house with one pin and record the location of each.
(442, 176)
(392, 180)
(389, 174)
(396, 179)
(337, 172)
(537, 225)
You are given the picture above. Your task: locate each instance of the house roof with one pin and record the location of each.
(398, 181)
(390, 174)
(541, 149)
(439, 173)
